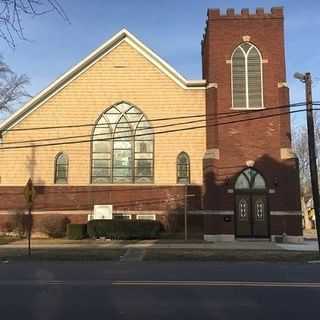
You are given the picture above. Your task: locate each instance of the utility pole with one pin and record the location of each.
(312, 154)
(307, 80)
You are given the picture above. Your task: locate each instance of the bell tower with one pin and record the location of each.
(248, 120)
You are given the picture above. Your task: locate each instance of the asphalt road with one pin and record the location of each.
(181, 290)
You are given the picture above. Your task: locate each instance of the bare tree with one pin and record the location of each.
(300, 144)
(12, 13)
(12, 88)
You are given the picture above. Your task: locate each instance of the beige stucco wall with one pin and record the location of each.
(136, 81)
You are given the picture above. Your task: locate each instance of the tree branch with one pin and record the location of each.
(12, 13)
(12, 88)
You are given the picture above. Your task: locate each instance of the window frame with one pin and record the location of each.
(58, 155)
(247, 107)
(112, 128)
(183, 153)
(146, 217)
(251, 179)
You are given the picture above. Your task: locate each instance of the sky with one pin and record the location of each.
(172, 28)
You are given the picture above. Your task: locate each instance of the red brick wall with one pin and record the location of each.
(53, 199)
(256, 137)
(135, 197)
(259, 140)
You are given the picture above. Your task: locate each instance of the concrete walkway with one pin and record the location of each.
(156, 244)
(306, 246)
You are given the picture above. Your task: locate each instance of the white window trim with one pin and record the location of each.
(142, 216)
(246, 75)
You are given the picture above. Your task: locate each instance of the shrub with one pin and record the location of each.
(17, 223)
(76, 231)
(124, 229)
(53, 225)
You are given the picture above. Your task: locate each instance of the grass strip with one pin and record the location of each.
(61, 254)
(229, 255)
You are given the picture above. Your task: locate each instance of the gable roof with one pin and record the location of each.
(62, 81)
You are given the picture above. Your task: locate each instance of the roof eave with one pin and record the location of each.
(104, 48)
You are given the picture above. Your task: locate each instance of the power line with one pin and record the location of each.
(218, 116)
(153, 133)
(236, 112)
(139, 129)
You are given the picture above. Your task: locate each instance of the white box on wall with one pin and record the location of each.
(101, 212)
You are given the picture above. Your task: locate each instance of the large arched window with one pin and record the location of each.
(247, 80)
(122, 147)
(61, 168)
(183, 168)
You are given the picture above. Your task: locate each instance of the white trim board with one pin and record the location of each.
(198, 212)
(86, 212)
(92, 58)
(286, 213)
(219, 237)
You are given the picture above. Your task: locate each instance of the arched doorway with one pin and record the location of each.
(251, 207)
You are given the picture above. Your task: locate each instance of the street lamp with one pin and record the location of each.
(300, 76)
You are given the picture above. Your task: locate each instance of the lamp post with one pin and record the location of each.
(307, 80)
(185, 212)
(29, 194)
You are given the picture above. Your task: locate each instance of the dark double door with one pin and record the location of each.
(252, 216)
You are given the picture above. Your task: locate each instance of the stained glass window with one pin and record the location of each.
(61, 168)
(183, 168)
(122, 149)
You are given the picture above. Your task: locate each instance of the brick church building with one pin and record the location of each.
(123, 128)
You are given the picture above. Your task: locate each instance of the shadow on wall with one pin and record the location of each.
(282, 179)
(31, 165)
(283, 189)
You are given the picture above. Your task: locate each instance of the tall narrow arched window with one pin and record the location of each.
(247, 79)
(122, 147)
(61, 168)
(183, 168)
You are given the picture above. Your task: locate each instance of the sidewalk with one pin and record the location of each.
(160, 244)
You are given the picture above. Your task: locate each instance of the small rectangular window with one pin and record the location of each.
(146, 217)
(120, 216)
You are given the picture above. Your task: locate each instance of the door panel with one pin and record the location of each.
(243, 216)
(260, 216)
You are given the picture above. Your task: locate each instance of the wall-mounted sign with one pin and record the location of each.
(102, 212)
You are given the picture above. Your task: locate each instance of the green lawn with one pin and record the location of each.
(74, 254)
(114, 254)
(7, 239)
